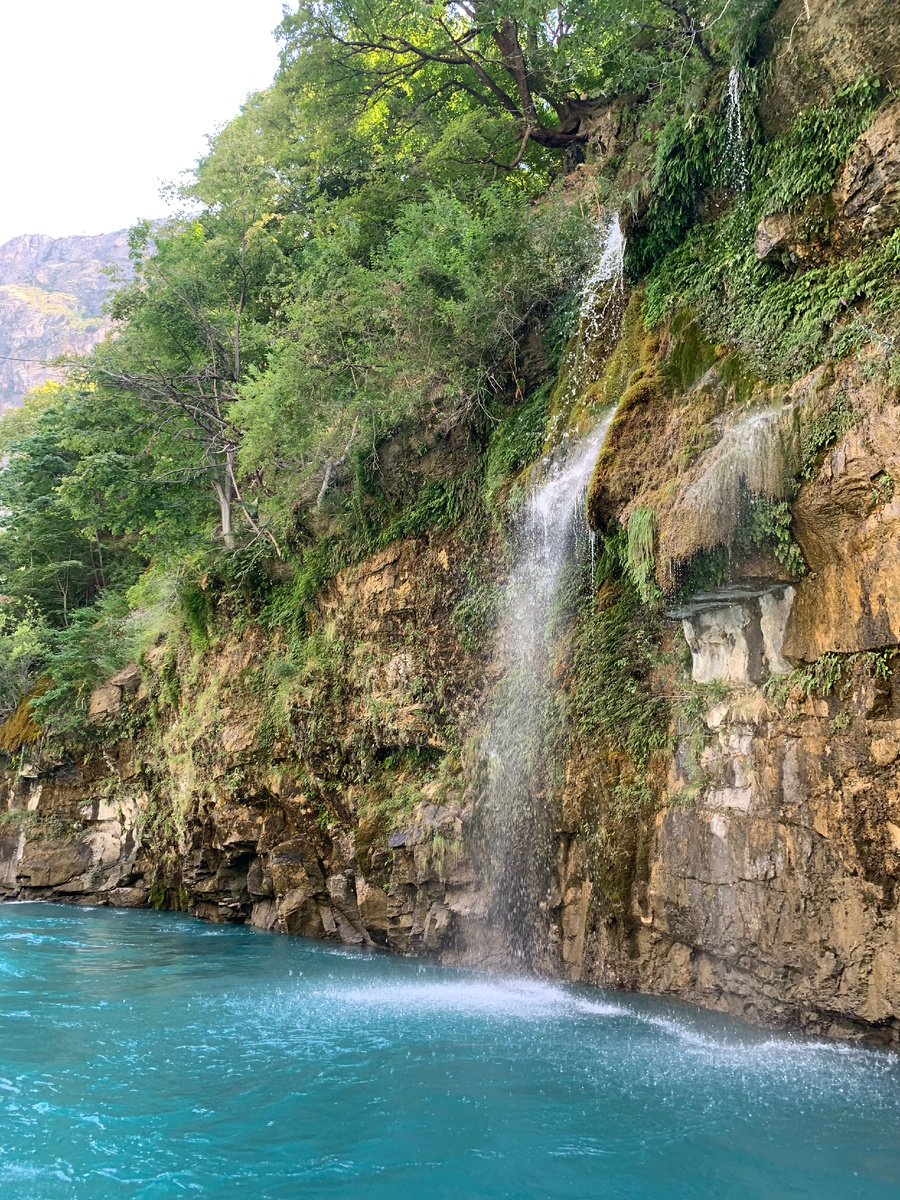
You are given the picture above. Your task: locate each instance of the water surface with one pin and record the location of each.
(148, 1056)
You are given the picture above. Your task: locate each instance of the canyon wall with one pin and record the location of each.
(763, 883)
(742, 854)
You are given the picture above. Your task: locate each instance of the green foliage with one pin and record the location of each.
(475, 614)
(40, 826)
(640, 554)
(882, 490)
(687, 161)
(783, 321)
(413, 315)
(25, 642)
(48, 557)
(806, 158)
(703, 572)
(516, 441)
(829, 674)
(393, 806)
(98, 641)
(442, 504)
(615, 651)
(690, 710)
(766, 524)
(494, 87)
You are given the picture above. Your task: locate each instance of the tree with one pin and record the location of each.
(190, 323)
(47, 557)
(542, 67)
(426, 325)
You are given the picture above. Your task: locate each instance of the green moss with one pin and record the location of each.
(21, 728)
(595, 372)
(738, 377)
(646, 387)
(615, 651)
(690, 354)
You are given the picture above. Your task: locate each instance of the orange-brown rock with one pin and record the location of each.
(847, 522)
(862, 207)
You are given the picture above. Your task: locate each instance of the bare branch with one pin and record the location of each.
(332, 463)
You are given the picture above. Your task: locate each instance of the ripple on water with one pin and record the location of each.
(154, 1056)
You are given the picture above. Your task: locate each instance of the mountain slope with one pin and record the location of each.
(51, 302)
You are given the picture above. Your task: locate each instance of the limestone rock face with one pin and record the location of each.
(867, 193)
(775, 895)
(777, 231)
(738, 642)
(51, 301)
(863, 206)
(249, 838)
(847, 522)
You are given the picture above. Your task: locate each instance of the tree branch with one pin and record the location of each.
(332, 463)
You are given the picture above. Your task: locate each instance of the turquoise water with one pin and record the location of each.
(145, 1055)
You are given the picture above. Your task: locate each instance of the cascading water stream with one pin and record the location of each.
(516, 817)
(737, 174)
(600, 313)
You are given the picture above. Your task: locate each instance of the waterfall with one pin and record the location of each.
(596, 297)
(736, 172)
(599, 321)
(516, 818)
(517, 825)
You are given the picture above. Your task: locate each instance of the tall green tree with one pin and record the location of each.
(190, 325)
(48, 557)
(541, 70)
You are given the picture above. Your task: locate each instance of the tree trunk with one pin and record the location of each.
(223, 495)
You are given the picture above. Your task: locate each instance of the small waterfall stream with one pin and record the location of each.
(736, 171)
(599, 316)
(516, 815)
(517, 819)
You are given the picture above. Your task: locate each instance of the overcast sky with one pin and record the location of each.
(102, 100)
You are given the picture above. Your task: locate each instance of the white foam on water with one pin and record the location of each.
(526, 999)
(659, 1046)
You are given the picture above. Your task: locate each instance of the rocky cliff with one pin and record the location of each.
(721, 762)
(51, 301)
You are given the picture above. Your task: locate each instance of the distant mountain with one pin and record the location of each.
(51, 299)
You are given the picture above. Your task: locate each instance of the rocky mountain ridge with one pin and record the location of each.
(51, 302)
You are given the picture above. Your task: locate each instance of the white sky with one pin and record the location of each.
(101, 101)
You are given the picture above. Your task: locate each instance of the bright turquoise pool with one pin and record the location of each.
(145, 1055)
